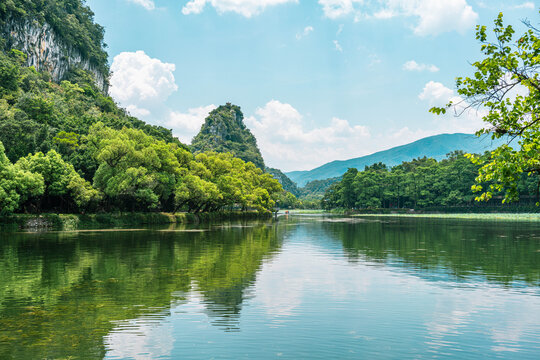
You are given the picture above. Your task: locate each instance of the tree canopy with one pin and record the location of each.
(506, 85)
(420, 183)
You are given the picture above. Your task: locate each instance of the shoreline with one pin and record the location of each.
(66, 222)
(462, 216)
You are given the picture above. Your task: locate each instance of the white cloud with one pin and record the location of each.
(138, 112)
(525, 5)
(338, 46)
(434, 16)
(460, 117)
(307, 30)
(437, 16)
(147, 4)
(187, 125)
(412, 65)
(140, 83)
(247, 8)
(334, 9)
(194, 7)
(285, 142)
(436, 93)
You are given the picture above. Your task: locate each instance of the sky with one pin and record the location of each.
(317, 80)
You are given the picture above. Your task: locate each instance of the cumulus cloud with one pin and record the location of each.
(147, 4)
(436, 93)
(461, 117)
(140, 83)
(186, 125)
(437, 16)
(412, 65)
(307, 30)
(434, 16)
(285, 141)
(247, 8)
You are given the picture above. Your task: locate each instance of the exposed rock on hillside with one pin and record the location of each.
(46, 51)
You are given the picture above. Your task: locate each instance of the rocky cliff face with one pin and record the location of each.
(46, 51)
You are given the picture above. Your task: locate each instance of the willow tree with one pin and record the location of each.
(505, 85)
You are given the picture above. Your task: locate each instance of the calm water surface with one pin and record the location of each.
(301, 287)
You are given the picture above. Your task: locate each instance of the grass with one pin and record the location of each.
(490, 216)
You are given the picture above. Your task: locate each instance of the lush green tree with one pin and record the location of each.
(135, 170)
(63, 185)
(506, 84)
(420, 183)
(16, 184)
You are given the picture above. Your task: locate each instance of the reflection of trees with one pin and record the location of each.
(503, 253)
(60, 294)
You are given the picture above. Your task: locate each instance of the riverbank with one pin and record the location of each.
(88, 221)
(469, 216)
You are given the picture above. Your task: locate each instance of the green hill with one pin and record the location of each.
(67, 147)
(288, 184)
(224, 131)
(434, 146)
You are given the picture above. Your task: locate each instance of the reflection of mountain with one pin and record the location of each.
(444, 249)
(60, 294)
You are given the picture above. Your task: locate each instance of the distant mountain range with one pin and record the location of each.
(436, 147)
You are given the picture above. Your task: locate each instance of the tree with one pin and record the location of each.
(63, 186)
(506, 84)
(136, 171)
(16, 184)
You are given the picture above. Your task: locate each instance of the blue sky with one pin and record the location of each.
(317, 80)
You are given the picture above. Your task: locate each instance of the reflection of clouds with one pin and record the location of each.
(139, 339)
(302, 270)
(150, 336)
(471, 312)
(451, 314)
(512, 331)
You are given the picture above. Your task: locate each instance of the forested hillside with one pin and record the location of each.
(436, 147)
(67, 147)
(420, 183)
(224, 131)
(288, 184)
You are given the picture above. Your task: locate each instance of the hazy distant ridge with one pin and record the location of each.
(436, 146)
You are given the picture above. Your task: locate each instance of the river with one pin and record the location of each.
(316, 287)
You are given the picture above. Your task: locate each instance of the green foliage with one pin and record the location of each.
(37, 115)
(421, 183)
(63, 185)
(72, 21)
(315, 189)
(506, 83)
(135, 170)
(288, 184)
(224, 131)
(16, 184)
(435, 147)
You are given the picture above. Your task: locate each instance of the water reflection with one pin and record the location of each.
(301, 287)
(61, 293)
(446, 250)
